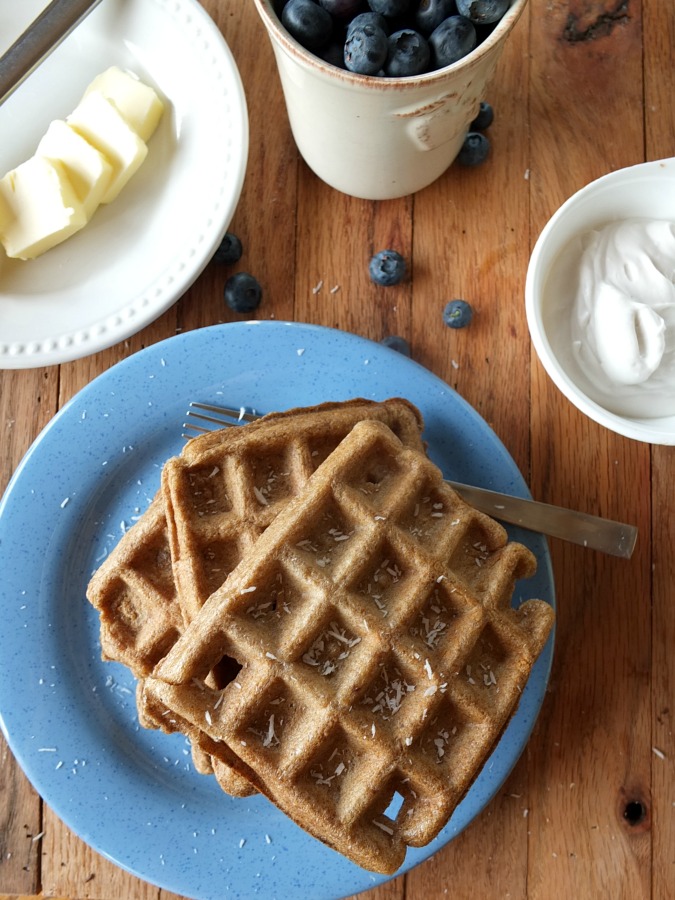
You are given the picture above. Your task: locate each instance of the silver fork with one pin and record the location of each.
(590, 531)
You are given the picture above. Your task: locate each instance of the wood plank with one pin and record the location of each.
(470, 244)
(265, 217)
(659, 36)
(332, 285)
(599, 704)
(27, 402)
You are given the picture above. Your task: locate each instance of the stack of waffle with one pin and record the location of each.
(327, 621)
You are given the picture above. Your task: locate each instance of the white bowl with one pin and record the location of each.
(644, 191)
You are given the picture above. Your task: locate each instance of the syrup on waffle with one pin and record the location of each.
(394, 669)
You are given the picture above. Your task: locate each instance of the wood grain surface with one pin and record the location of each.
(584, 87)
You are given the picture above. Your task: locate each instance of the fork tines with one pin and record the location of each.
(221, 416)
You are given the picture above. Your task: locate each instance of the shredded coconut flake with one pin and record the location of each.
(260, 497)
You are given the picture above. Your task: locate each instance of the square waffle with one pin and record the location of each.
(134, 590)
(394, 669)
(221, 495)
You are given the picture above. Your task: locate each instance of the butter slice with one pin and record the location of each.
(98, 120)
(44, 208)
(137, 102)
(6, 214)
(88, 170)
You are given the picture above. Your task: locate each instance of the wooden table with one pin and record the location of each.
(584, 87)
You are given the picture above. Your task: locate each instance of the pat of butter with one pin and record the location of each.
(89, 171)
(137, 102)
(100, 123)
(6, 214)
(44, 209)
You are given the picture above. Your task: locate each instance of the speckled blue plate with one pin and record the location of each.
(70, 718)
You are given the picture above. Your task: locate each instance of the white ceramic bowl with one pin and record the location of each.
(642, 191)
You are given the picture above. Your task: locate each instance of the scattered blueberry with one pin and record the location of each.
(475, 149)
(366, 49)
(457, 314)
(408, 54)
(242, 292)
(430, 14)
(484, 119)
(229, 251)
(453, 39)
(387, 267)
(395, 342)
(310, 24)
(483, 12)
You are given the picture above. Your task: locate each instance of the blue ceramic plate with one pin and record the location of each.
(70, 718)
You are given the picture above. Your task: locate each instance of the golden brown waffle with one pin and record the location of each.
(135, 595)
(395, 667)
(134, 589)
(221, 495)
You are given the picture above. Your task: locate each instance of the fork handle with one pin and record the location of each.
(581, 528)
(42, 36)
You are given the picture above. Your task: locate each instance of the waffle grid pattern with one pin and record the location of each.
(222, 495)
(137, 590)
(380, 656)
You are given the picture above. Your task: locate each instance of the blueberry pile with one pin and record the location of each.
(390, 38)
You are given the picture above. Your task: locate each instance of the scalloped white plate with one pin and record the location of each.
(139, 254)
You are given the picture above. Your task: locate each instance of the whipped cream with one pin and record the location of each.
(622, 324)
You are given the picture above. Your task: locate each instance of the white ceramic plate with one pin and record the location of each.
(140, 253)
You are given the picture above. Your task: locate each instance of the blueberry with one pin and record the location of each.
(387, 267)
(229, 250)
(242, 292)
(430, 14)
(454, 38)
(457, 314)
(333, 53)
(368, 18)
(475, 149)
(365, 50)
(341, 9)
(483, 12)
(408, 54)
(391, 8)
(395, 342)
(309, 23)
(484, 118)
